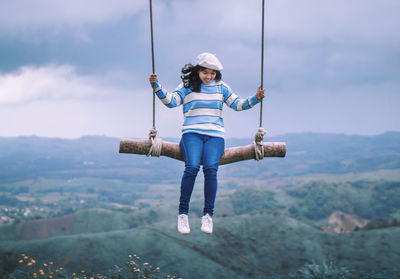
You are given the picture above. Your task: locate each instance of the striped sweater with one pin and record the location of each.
(202, 110)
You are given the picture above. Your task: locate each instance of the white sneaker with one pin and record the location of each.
(206, 224)
(183, 224)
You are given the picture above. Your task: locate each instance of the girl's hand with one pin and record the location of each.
(260, 93)
(153, 78)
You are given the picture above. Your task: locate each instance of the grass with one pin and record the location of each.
(135, 268)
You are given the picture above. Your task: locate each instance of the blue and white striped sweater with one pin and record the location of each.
(202, 110)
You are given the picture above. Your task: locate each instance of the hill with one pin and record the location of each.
(245, 246)
(84, 206)
(253, 237)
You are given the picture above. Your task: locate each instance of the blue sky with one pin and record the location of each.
(73, 68)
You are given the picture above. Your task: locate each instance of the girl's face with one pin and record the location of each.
(207, 75)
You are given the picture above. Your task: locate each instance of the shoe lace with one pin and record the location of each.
(207, 220)
(182, 221)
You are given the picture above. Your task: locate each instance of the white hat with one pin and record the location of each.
(209, 60)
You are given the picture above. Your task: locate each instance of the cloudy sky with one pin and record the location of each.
(73, 68)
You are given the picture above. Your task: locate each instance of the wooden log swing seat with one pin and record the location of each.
(156, 147)
(231, 155)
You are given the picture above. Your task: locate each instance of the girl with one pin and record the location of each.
(202, 94)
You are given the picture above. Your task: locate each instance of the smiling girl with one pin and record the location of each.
(202, 94)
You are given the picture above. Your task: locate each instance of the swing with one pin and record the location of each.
(157, 147)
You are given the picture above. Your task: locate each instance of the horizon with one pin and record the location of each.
(177, 138)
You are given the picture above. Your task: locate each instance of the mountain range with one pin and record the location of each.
(272, 217)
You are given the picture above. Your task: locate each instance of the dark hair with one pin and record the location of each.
(191, 79)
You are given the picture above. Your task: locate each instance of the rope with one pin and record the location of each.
(152, 63)
(259, 137)
(258, 146)
(156, 144)
(262, 60)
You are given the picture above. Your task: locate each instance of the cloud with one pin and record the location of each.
(330, 56)
(26, 14)
(30, 84)
(309, 43)
(299, 20)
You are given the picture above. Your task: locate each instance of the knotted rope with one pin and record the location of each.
(259, 137)
(258, 146)
(156, 144)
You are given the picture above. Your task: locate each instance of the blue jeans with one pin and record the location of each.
(195, 148)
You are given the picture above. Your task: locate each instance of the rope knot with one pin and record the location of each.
(156, 144)
(258, 147)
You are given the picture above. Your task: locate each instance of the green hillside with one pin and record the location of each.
(80, 204)
(245, 246)
(317, 200)
(312, 202)
(254, 236)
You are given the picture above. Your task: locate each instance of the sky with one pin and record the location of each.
(75, 68)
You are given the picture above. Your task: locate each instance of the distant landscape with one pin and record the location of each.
(333, 202)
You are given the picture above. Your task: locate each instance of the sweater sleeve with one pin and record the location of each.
(171, 100)
(235, 102)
